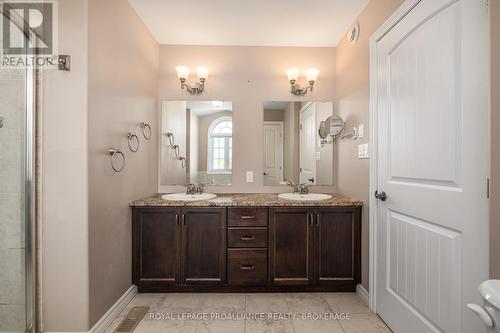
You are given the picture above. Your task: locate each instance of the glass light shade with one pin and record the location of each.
(182, 72)
(202, 73)
(293, 74)
(312, 74)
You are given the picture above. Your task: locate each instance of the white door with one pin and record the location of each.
(308, 144)
(273, 153)
(433, 163)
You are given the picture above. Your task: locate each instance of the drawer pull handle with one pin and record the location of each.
(248, 217)
(247, 238)
(247, 267)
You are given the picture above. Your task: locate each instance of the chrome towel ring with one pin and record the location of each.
(171, 140)
(131, 138)
(177, 150)
(146, 128)
(112, 152)
(183, 161)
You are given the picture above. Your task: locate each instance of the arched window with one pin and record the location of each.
(220, 145)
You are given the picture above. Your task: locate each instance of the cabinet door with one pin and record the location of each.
(203, 245)
(338, 246)
(291, 246)
(156, 246)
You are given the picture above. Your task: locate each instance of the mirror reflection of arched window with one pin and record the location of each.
(220, 145)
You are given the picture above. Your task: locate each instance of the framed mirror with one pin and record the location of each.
(196, 143)
(293, 145)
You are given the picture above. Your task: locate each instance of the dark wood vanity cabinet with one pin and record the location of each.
(337, 246)
(246, 248)
(291, 246)
(156, 246)
(178, 246)
(315, 247)
(203, 246)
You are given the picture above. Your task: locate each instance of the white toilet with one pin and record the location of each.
(489, 313)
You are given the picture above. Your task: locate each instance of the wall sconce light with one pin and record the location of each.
(293, 75)
(192, 88)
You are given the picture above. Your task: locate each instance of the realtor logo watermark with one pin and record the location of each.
(36, 19)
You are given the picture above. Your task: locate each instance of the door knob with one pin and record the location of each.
(381, 196)
(311, 180)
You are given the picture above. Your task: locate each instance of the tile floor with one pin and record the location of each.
(361, 319)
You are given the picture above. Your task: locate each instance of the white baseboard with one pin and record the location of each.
(114, 311)
(362, 293)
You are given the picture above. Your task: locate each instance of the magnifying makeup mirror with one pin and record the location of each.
(332, 126)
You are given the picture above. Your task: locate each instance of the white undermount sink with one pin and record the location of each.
(304, 197)
(188, 197)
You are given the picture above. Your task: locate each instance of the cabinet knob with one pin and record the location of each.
(247, 237)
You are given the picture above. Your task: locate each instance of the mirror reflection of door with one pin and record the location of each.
(273, 152)
(308, 144)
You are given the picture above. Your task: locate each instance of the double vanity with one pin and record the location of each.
(246, 242)
(197, 241)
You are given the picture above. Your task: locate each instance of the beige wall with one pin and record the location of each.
(64, 227)
(351, 173)
(324, 166)
(291, 142)
(173, 120)
(247, 76)
(274, 115)
(495, 139)
(194, 147)
(122, 92)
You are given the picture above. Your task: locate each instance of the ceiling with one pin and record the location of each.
(306, 23)
(203, 108)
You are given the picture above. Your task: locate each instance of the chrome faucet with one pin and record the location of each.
(297, 189)
(195, 188)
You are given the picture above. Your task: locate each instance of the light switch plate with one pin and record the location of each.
(363, 151)
(249, 176)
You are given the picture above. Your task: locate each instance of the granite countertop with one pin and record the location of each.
(245, 200)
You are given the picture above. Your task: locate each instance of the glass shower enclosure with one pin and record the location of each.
(17, 194)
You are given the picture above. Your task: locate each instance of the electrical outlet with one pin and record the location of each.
(249, 176)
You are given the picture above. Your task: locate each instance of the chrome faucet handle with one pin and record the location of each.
(304, 188)
(291, 184)
(190, 189)
(200, 188)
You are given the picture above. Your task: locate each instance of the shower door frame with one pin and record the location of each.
(32, 305)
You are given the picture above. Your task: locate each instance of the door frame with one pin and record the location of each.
(282, 140)
(394, 19)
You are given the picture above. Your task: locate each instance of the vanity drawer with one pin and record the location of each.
(247, 237)
(247, 217)
(247, 267)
